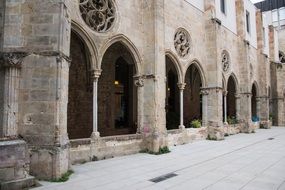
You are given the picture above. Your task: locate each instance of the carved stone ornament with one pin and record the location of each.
(14, 59)
(99, 15)
(282, 57)
(182, 42)
(139, 81)
(225, 61)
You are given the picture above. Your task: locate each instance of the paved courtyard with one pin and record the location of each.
(245, 161)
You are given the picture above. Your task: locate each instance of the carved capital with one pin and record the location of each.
(237, 96)
(225, 93)
(13, 59)
(204, 92)
(139, 81)
(181, 86)
(95, 74)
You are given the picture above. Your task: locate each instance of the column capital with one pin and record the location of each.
(225, 93)
(12, 59)
(204, 92)
(237, 95)
(181, 86)
(139, 81)
(95, 74)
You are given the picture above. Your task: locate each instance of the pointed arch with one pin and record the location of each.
(85, 37)
(126, 42)
(255, 85)
(200, 69)
(177, 64)
(233, 76)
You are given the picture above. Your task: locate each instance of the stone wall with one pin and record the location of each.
(80, 92)
(2, 74)
(2, 13)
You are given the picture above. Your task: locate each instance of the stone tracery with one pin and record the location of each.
(99, 15)
(225, 61)
(182, 42)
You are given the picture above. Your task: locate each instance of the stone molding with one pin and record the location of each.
(215, 88)
(182, 42)
(12, 59)
(181, 86)
(139, 81)
(95, 74)
(99, 15)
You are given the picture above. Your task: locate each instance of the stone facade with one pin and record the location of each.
(78, 88)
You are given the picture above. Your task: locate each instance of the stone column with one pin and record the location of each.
(139, 83)
(95, 76)
(237, 107)
(11, 63)
(245, 111)
(264, 112)
(181, 87)
(225, 93)
(205, 94)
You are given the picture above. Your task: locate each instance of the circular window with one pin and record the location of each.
(99, 15)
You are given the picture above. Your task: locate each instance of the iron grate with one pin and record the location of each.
(163, 177)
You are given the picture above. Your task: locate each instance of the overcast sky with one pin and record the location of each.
(255, 1)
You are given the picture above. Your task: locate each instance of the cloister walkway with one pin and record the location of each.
(244, 161)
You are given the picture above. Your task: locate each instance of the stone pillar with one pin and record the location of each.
(205, 94)
(279, 101)
(264, 112)
(14, 163)
(245, 112)
(139, 83)
(225, 93)
(181, 87)
(237, 107)
(11, 63)
(95, 76)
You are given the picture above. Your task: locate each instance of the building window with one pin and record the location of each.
(247, 22)
(223, 6)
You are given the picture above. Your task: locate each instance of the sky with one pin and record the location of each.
(255, 1)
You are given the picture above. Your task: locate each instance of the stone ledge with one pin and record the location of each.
(25, 183)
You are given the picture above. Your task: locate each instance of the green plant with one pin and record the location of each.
(271, 117)
(64, 177)
(195, 124)
(211, 138)
(232, 120)
(162, 150)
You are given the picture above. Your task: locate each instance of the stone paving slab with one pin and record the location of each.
(243, 161)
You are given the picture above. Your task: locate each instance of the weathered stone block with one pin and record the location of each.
(14, 161)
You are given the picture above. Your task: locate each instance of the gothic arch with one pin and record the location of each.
(255, 84)
(235, 80)
(126, 42)
(197, 64)
(85, 37)
(177, 65)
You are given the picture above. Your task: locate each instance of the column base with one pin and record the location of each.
(95, 135)
(182, 127)
(14, 165)
(265, 124)
(49, 162)
(215, 133)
